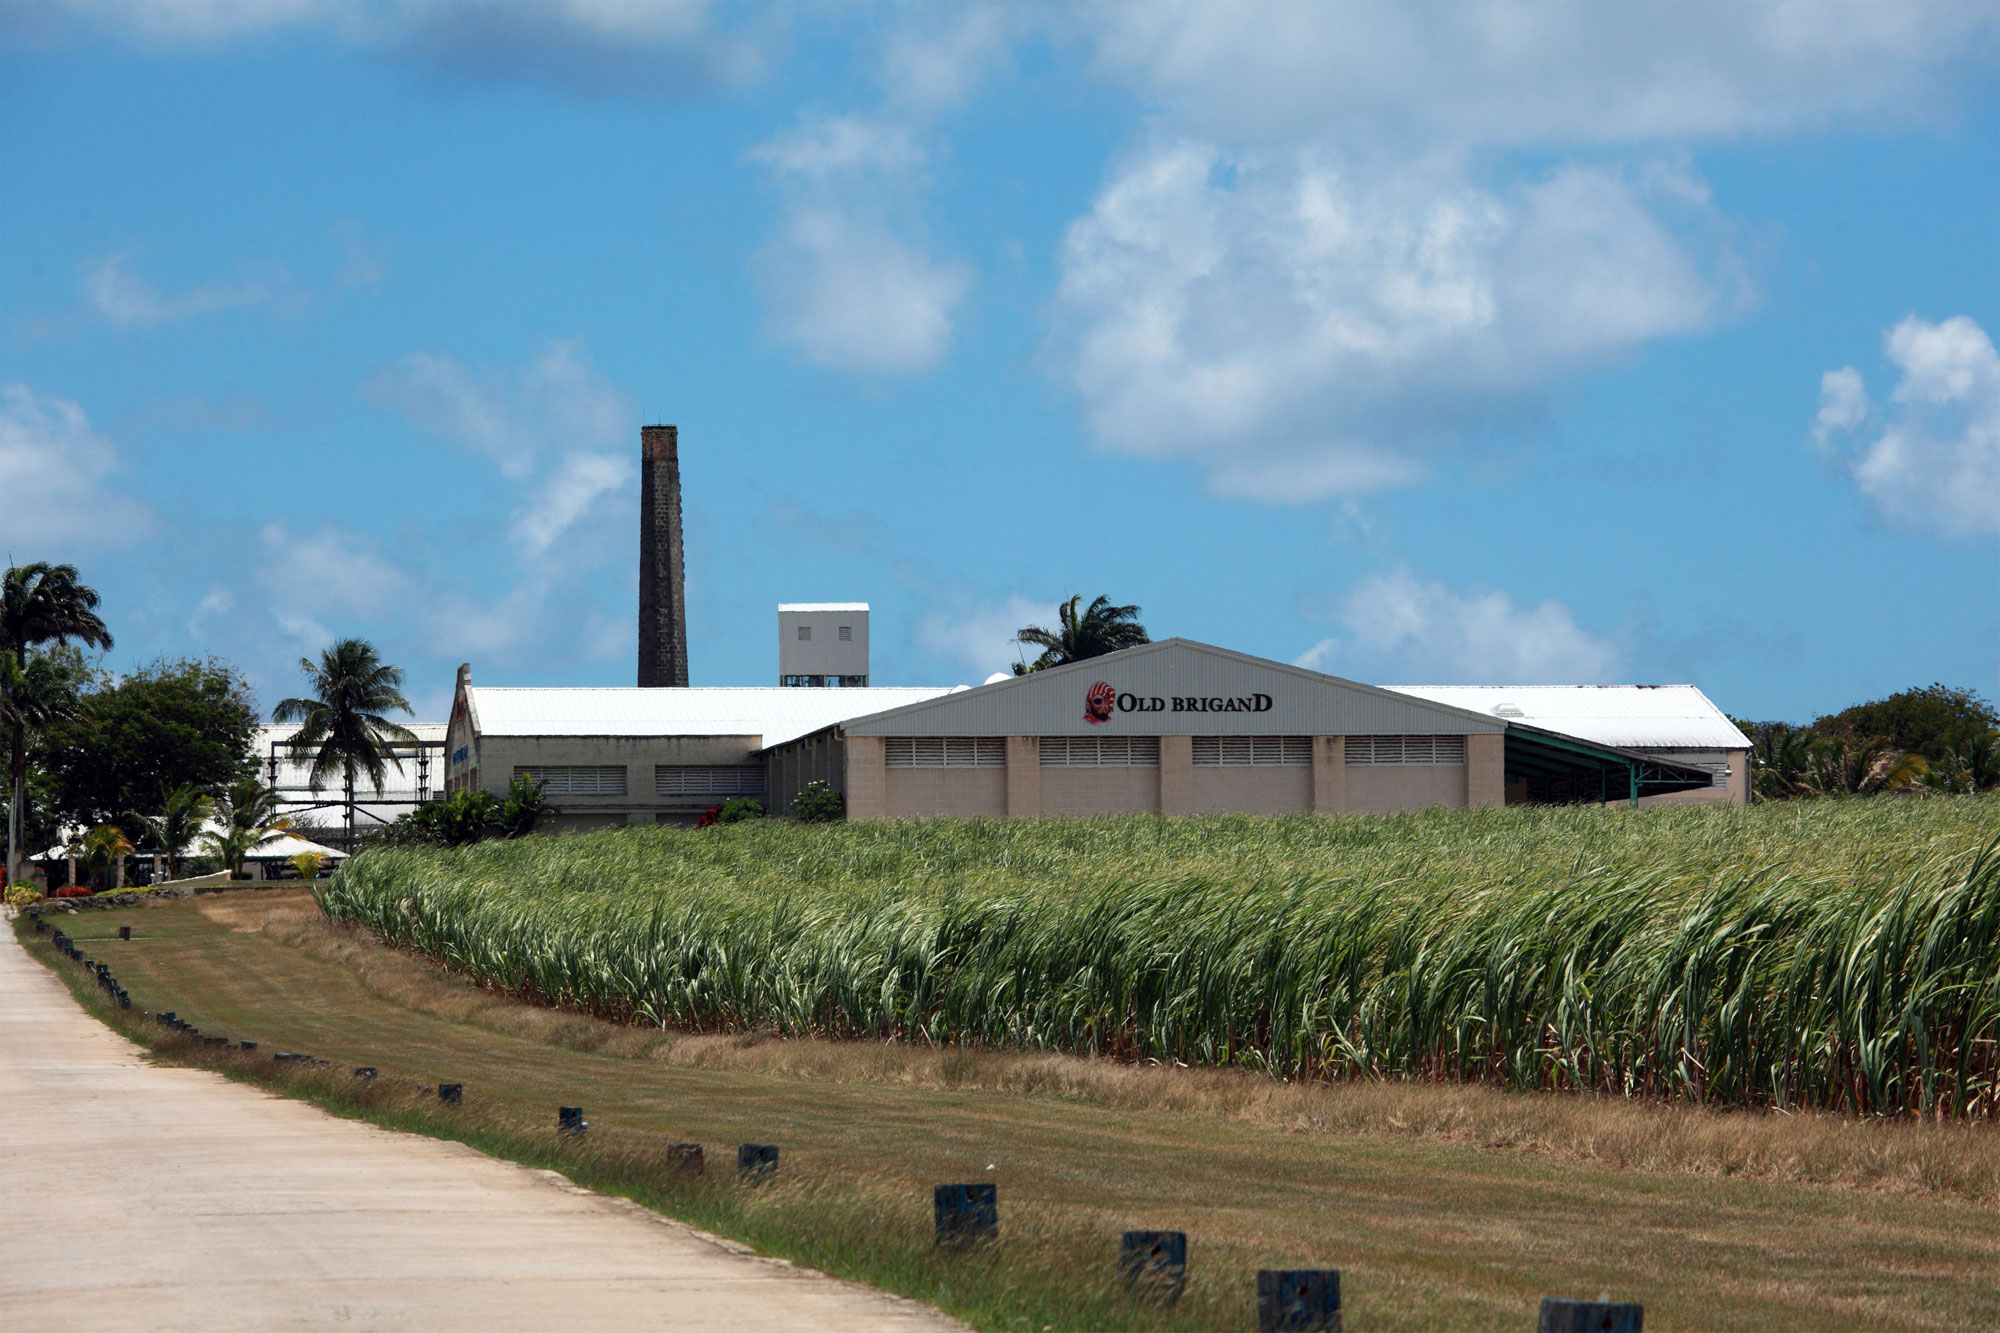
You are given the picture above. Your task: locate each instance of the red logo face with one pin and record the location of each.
(1097, 704)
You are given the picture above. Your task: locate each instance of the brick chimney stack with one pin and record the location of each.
(662, 576)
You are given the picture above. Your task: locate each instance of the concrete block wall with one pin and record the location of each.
(1177, 776)
(1024, 776)
(1100, 791)
(1486, 769)
(1025, 788)
(867, 787)
(1329, 775)
(1390, 790)
(1252, 791)
(966, 793)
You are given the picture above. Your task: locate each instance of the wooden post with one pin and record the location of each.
(756, 1161)
(965, 1213)
(1154, 1263)
(1298, 1300)
(1566, 1316)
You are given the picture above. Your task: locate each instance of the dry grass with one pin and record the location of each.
(1429, 1232)
(1811, 1147)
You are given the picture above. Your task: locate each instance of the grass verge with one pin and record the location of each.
(1430, 1231)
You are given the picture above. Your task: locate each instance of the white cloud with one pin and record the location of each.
(1843, 403)
(125, 300)
(1566, 72)
(331, 573)
(570, 492)
(1934, 465)
(852, 295)
(980, 635)
(364, 262)
(55, 475)
(513, 418)
(1398, 624)
(670, 50)
(832, 145)
(218, 603)
(942, 58)
(1304, 330)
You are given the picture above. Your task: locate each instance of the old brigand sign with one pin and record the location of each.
(1102, 700)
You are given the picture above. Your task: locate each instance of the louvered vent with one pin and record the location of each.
(1100, 752)
(578, 779)
(708, 780)
(944, 751)
(1376, 751)
(1253, 751)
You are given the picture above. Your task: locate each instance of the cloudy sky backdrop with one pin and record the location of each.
(1419, 344)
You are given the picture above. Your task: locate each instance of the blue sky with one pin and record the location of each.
(1417, 344)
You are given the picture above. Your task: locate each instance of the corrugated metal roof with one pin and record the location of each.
(776, 713)
(1641, 717)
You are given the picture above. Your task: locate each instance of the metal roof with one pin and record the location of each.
(775, 713)
(1631, 717)
(1164, 674)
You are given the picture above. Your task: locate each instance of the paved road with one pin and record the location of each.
(175, 1199)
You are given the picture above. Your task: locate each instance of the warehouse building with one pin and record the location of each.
(1673, 723)
(1171, 728)
(643, 756)
(1178, 727)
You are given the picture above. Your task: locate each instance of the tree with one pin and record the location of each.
(1842, 765)
(1971, 766)
(40, 603)
(1082, 634)
(183, 811)
(250, 820)
(1932, 722)
(343, 722)
(170, 724)
(37, 692)
(100, 850)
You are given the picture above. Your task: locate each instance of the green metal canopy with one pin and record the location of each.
(1562, 770)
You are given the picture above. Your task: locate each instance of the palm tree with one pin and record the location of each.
(343, 722)
(250, 820)
(101, 849)
(39, 603)
(1079, 635)
(183, 811)
(36, 692)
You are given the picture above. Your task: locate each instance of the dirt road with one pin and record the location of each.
(164, 1198)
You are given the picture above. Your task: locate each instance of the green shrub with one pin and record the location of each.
(818, 803)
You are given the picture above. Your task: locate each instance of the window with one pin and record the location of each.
(1404, 751)
(1253, 751)
(853, 682)
(708, 780)
(812, 682)
(805, 633)
(578, 779)
(847, 634)
(944, 751)
(1100, 752)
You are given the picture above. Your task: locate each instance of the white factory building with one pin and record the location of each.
(1170, 728)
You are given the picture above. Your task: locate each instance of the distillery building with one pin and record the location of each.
(1168, 728)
